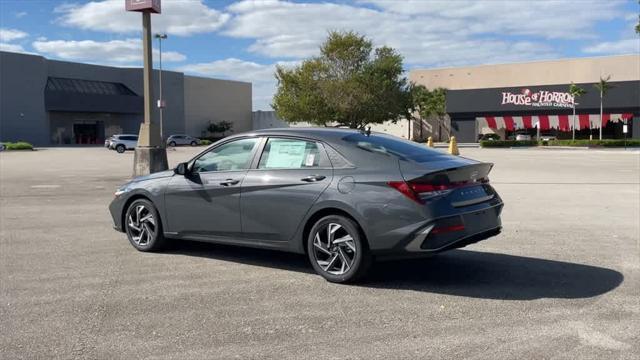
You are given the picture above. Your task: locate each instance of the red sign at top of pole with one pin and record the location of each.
(152, 6)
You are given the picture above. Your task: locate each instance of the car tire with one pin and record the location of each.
(143, 226)
(343, 262)
(172, 144)
(120, 148)
(193, 143)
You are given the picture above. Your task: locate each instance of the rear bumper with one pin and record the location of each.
(455, 231)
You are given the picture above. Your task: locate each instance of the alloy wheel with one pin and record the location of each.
(141, 224)
(334, 249)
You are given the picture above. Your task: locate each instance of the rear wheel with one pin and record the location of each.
(337, 251)
(120, 148)
(193, 143)
(143, 226)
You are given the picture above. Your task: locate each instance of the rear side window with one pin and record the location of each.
(291, 154)
(391, 146)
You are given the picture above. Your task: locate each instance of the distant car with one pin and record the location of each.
(123, 142)
(107, 142)
(523, 137)
(490, 137)
(2, 147)
(548, 137)
(175, 140)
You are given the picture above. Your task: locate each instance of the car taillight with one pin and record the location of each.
(419, 192)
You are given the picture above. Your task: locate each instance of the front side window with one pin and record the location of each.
(234, 155)
(290, 154)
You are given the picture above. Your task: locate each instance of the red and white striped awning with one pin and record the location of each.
(560, 122)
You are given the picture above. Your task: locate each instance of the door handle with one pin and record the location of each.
(229, 182)
(313, 178)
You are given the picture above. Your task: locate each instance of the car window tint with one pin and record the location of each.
(234, 155)
(391, 146)
(289, 154)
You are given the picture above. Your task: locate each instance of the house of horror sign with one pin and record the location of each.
(541, 98)
(534, 99)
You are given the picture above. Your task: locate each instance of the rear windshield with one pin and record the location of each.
(392, 146)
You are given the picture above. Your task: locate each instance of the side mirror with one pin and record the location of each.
(181, 169)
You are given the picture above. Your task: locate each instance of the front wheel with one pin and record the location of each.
(143, 226)
(337, 251)
(120, 148)
(172, 144)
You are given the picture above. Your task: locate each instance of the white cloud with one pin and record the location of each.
(12, 48)
(260, 75)
(423, 38)
(7, 35)
(178, 17)
(20, 15)
(625, 46)
(121, 52)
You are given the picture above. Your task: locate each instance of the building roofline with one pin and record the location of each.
(584, 58)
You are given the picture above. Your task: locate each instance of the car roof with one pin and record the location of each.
(318, 133)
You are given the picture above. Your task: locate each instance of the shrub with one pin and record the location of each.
(596, 143)
(507, 143)
(20, 145)
(205, 142)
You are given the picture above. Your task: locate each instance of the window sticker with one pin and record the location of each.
(310, 159)
(286, 154)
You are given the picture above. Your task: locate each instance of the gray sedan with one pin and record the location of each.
(342, 197)
(175, 140)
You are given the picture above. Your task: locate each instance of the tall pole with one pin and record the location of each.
(601, 95)
(150, 156)
(573, 128)
(161, 105)
(147, 73)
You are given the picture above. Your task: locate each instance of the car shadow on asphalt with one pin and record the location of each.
(458, 272)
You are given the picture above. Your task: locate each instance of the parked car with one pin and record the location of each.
(489, 137)
(2, 147)
(340, 196)
(548, 137)
(175, 140)
(107, 142)
(123, 142)
(523, 137)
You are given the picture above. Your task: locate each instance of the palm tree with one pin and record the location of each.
(575, 91)
(603, 86)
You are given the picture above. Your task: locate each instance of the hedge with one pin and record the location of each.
(507, 143)
(596, 143)
(20, 145)
(578, 143)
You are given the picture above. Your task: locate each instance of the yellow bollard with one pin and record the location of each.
(430, 141)
(453, 146)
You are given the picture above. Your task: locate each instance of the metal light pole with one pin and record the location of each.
(160, 37)
(150, 156)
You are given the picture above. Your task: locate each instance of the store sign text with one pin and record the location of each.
(540, 98)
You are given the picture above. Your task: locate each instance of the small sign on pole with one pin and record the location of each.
(625, 128)
(152, 6)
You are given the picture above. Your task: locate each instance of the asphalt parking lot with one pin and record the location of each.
(561, 281)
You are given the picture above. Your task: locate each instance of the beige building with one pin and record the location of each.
(530, 97)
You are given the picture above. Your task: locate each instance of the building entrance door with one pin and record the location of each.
(85, 133)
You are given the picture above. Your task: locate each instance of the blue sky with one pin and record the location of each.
(245, 40)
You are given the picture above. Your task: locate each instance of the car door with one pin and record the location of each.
(205, 203)
(289, 177)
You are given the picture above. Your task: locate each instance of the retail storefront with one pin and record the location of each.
(546, 110)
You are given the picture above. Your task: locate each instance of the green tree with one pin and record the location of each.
(638, 24)
(220, 127)
(349, 84)
(603, 87)
(575, 91)
(431, 104)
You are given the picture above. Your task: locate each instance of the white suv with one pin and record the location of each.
(122, 142)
